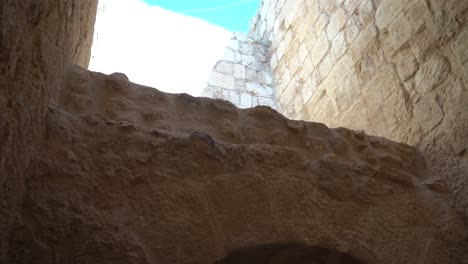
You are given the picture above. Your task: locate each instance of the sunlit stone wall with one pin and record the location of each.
(243, 75)
(394, 68)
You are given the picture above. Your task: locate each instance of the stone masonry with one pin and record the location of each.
(394, 68)
(243, 76)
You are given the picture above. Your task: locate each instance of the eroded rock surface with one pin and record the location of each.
(37, 38)
(129, 174)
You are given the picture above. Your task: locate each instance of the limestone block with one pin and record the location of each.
(339, 2)
(385, 89)
(307, 90)
(267, 78)
(240, 85)
(347, 91)
(251, 62)
(459, 9)
(327, 108)
(351, 30)
(221, 80)
(423, 43)
(294, 63)
(351, 5)
(234, 44)
(239, 71)
(276, 27)
(313, 12)
(317, 76)
(344, 65)
(251, 75)
(307, 67)
(220, 93)
(321, 23)
(417, 14)
(273, 62)
(298, 106)
(241, 37)
(259, 48)
(208, 91)
(327, 6)
(289, 93)
(460, 46)
(365, 43)
(270, 20)
(431, 74)
(444, 24)
(339, 44)
(260, 57)
(280, 50)
(320, 49)
(234, 97)
(264, 9)
(228, 55)
(245, 100)
(225, 67)
(292, 9)
(238, 57)
(288, 39)
(266, 101)
(247, 60)
(364, 13)
(286, 78)
(406, 64)
(465, 75)
(427, 113)
(327, 64)
(387, 11)
(400, 32)
(337, 22)
(246, 49)
(258, 89)
(303, 52)
(358, 111)
(225, 93)
(310, 41)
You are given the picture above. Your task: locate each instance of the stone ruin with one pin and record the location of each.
(97, 169)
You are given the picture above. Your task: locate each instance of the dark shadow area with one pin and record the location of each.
(287, 254)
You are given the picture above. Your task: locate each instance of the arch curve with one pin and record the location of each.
(287, 253)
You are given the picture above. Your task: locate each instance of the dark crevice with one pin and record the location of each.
(293, 253)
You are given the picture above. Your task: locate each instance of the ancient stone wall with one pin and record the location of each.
(37, 40)
(394, 68)
(243, 76)
(96, 169)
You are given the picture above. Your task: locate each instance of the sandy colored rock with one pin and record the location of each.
(96, 169)
(128, 174)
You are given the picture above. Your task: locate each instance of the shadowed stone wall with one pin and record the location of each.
(37, 40)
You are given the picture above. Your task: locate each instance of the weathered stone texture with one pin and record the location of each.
(243, 77)
(394, 68)
(96, 169)
(37, 39)
(134, 175)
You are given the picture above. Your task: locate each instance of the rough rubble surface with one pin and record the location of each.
(128, 174)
